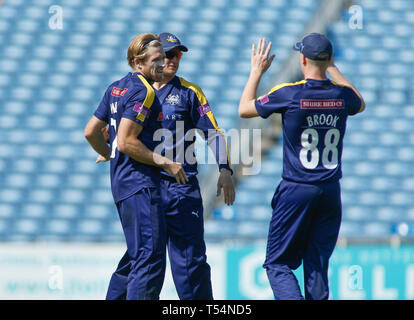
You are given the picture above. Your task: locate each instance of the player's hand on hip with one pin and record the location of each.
(260, 60)
(101, 158)
(225, 182)
(105, 133)
(176, 170)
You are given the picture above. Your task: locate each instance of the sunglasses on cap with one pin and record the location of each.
(172, 54)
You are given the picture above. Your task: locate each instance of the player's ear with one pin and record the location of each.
(303, 58)
(138, 63)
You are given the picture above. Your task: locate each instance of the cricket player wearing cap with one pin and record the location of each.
(131, 109)
(307, 203)
(185, 108)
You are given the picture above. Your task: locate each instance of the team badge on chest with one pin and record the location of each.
(173, 99)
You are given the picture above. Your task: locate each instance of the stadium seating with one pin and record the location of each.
(51, 81)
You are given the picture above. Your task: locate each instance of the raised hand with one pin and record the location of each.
(260, 60)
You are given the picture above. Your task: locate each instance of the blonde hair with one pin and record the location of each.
(139, 46)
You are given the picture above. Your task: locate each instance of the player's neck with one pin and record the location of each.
(163, 82)
(315, 74)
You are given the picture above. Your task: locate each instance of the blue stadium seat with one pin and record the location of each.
(376, 229)
(59, 227)
(220, 229)
(249, 229)
(28, 227)
(63, 210)
(351, 229)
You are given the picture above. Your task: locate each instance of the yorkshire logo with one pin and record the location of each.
(171, 39)
(173, 99)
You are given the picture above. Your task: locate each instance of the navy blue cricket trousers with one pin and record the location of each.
(304, 228)
(140, 273)
(183, 207)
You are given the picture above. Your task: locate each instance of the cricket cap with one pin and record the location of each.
(170, 41)
(315, 46)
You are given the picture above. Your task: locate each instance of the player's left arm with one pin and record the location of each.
(94, 134)
(203, 119)
(260, 62)
(339, 78)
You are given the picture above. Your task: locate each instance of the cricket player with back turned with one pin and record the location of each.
(307, 203)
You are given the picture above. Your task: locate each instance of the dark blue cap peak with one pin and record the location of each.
(315, 46)
(170, 41)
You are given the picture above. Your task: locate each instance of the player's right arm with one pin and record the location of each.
(127, 141)
(260, 62)
(93, 133)
(339, 78)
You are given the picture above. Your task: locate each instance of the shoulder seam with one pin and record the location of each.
(195, 88)
(286, 84)
(337, 84)
(150, 95)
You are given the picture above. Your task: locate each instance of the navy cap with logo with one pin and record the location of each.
(170, 41)
(315, 46)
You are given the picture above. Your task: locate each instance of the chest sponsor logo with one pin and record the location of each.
(167, 116)
(173, 99)
(322, 104)
(117, 92)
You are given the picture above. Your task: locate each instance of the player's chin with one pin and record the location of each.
(158, 76)
(173, 67)
(170, 69)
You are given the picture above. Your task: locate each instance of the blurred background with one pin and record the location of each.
(60, 235)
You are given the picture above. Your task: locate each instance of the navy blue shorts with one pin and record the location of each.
(304, 228)
(183, 207)
(140, 273)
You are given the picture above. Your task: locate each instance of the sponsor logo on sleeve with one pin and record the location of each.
(204, 109)
(117, 92)
(143, 111)
(264, 99)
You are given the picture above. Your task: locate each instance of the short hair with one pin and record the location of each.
(139, 46)
(321, 64)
